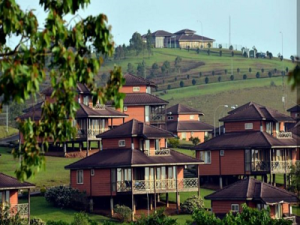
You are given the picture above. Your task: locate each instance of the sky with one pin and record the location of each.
(253, 23)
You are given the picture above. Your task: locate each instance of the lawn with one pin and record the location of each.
(40, 208)
(54, 173)
(6, 133)
(185, 151)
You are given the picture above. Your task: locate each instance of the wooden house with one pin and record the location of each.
(255, 143)
(254, 194)
(185, 123)
(135, 162)
(9, 188)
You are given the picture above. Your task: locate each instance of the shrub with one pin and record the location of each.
(37, 221)
(188, 76)
(82, 219)
(191, 204)
(206, 80)
(238, 70)
(169, 86)
(200, 74)
(219, 79)
(158, 218)
(270, 74)
(203, 217)
(66, 197)
(244, 76)
(175, 78)
(194, 81)
(257, 75)
(286, 69)
(123, 212)
(196, 141)
(220, 53)
(173, 142)
(231, 77)
(213, 73)
(245, 54)
(250, 70)
(43, 191)
(272, 84)
(262, 70)
(60, 222)
(181, 84)
(225, 71)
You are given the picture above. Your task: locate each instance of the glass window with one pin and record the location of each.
(7, 195)
(92, 172)
(170, 117)
(147, 113)
(86, 100)
(136, 89)
(79, 176)
(183, 135)
(147, 145)
(121, 143)
(1, 197)
(248, 126)
(205, 156)
(235, 207)
(191, 117)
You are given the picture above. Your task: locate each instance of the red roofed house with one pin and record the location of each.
(254, 194)
(134, 163)
(255, 143)
(295, 112)
(185, 122)
(9, 188)
(90, 120)
(140, 104)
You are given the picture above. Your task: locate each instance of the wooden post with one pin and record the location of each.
(80, 146)
(28, 205)
(271, 166)
(87, 148)
(220, 182)
(132, 197)
(65, 148)
(151, 202)
(177, 199)
(111, 206)
(158, 198)
(91, 205)
(274, 180)
(167, 200)
(155, 189)
(284, 179)
(198, 183)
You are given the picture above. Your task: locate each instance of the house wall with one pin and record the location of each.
(224, 206)
(240, 126)
(113, 143)
(188, 117)
(232, 163)
(135, 112)
(285, 208)
(159, 42)
(272, 211)
(129, 89)
(195, 44)
(199, 134)
(13, 197)
(97, 185)
(210, 169)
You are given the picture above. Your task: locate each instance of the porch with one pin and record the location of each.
(21, 209)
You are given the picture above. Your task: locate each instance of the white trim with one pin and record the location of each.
(248, 126)
(125, 109)
(136, 89)
(78, 173)
(92, 172)
(235, 207)
(122, 143)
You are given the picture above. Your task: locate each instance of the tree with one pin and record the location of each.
(188, 76)
(286, 69)
(225, 71)
(238, 70)
(209, 45)
(141, 69)
(71, 61)
(198, 50)
(194, 82)
(149, 42)
(208, 51)
(181, 84)
(125, 51)
(245, 54)
(178, 63)
(262, 70)
(213, 73)
(292, 58)
(230, 47)
(257, 75)
(231, 77)
(294, 178)
(169, 86)
(200, 74)
(270, 74)
(244, 76)
(136, 43)
(220, 53)
(206, 80)
(269, 55)
(232, 54)
(220, 46)
(250, 70)
(154, 69)
(219, 79)
(165, 69)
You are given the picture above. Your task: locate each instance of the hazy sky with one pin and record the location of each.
(255, 22)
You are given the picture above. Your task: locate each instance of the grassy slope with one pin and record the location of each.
(54, 173)
(11, 131)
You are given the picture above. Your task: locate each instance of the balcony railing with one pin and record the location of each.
(162, 185)
(162, 152)
(283, 166)
(157, 118)
(284, 135)
(22, 209)
(90, 133)
(260, 166)
(290, 218)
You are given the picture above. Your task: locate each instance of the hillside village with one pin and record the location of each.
(184, 131)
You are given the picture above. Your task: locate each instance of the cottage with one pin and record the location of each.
(185, 123)
(188, 39)
(9, 188)
(254, 194)
(255, 143)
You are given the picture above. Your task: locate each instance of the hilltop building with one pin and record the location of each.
(185, 123)
(255, 143)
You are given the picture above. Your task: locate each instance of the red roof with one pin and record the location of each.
(131, 80)
(190, 125)
(180, 109)
(8, 182)
(140, 99)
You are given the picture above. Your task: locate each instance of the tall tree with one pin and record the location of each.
(149, 43)
(23, 69)
(136, 43)
(178, 63)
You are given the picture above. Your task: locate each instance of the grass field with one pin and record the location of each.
(185, 151)
(53, 175)
(4, 133)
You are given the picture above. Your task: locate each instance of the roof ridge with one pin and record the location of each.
(265, 137)
(247, 193)
(258, 111)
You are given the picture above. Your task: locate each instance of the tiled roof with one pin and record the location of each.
(252, 189)
(85, 111)
(81, 88)
(246, 139)
(135, 128)
(295, 108)
(8, 182)
(193, 37)
(161, 33)
(182, 109)
(116, 158)
(131, 80)
(36, 106)
(295, 129)
(254, 111)
(192, 125)
(35, 114)
(140, 99)
(185, 31)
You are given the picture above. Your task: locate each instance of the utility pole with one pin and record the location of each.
(230, 42)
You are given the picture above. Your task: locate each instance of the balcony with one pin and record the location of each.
(290, 218)
(161, 186)
(260, 166)
(283, 166)
(22, 209)
(157, 118)
(284, 135)
(91, 133)
(162, 152)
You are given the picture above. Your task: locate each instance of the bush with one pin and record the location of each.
(82, 219)
(206, 80)
(173, 142)
(244, 76)
(250, 70)
(225, 71)
(181, 84)
(191, 204)
(194, 140)
(158, 218)
(213, 73)
(231, 77)
(37, 221)
(123, 212)
(272, 84)
(169, 86)
(194, 82)
(66, 197)
(60, 222)
(262, 70)
(219, 79)
(270, 74)
(43, 191)
(257, 75)
(238, 70)
(188, 76)
(200, 74)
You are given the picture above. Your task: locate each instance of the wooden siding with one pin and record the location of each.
(188, 134)
(210, 169)
(85, 186)
(187, 117)
(232, 163)
(240, 126)
(13, 197)
(224, 206)
(113, 143)
(101, 183)
(129, 89)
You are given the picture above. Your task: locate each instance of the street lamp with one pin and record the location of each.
(281, 44)
(201, 31)
(226, 106)
(222, 113)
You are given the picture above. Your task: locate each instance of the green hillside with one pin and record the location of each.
(212, 66)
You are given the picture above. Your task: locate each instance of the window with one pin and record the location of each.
(136, 89)
(235, 207)
(92, 172)
(121, 143)
(248, 126)
(205, 156)
(191, 117)
(170, 117)
(269, 127)
(125, 109)
(79, 100)
(86, 100)
(147, 113)
(183, 136)
(148, 90)
(192, 134)
(221, 152)
(79, 176)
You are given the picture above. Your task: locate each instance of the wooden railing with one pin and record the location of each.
(284, 135)
(290, 218)
(22, 209)
(162, 185)
(157, 117)
(90, 133)
(260, 166)
(162, 152)
(283, 166)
